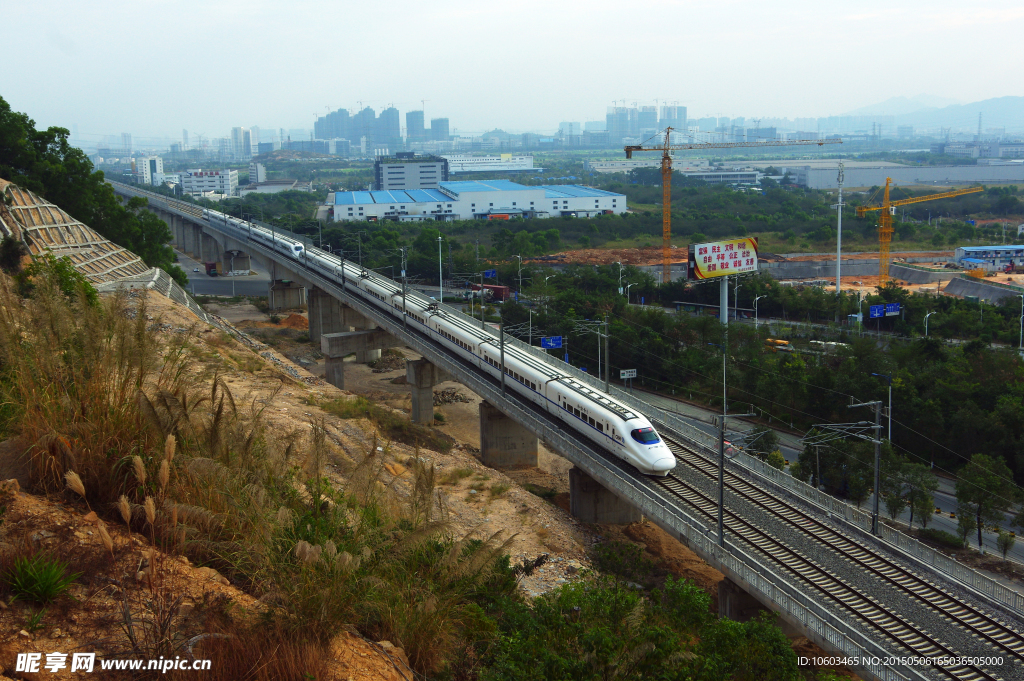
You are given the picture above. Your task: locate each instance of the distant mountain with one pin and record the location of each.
(895, 106)
(999, 112)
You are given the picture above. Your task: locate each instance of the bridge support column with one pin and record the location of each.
(327, 315)
(337, 346)
(422, 376)
(198, 236)
(189, 239)
(735, 603)
(589, 502)
(503, 442)
(283, 296)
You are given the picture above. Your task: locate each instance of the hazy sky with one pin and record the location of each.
(153, 68)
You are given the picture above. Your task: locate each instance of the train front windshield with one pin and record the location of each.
(645, 436)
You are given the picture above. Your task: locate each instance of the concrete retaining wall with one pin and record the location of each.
(971, 287)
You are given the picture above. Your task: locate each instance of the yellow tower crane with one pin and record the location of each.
(888, 209)
(666, 180)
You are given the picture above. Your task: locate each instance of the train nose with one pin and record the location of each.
(665, 464)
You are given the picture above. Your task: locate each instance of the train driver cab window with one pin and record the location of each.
(645, 436)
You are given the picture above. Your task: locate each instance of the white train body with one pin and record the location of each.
(604, 420)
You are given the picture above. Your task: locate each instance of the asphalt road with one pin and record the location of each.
(199, 283)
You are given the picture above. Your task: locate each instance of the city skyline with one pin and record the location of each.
(727, 58)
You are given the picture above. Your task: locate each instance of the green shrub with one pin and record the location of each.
(40, 578)
(453, 476)
(392, 426)
(439, 417)
(941, 537)
(545, 493)
(498, 489)
(621, 559)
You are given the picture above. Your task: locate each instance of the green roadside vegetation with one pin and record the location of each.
(43, 162)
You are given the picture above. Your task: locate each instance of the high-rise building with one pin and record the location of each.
(674, 117)
(568, 128)
(126, 142)
(334, 125)
(241, 143)
(257, 172)
(184, 139)
(147, 168)
(439, 129)
(388, 128)
(414, 130)
(254, 141)
(647, 119)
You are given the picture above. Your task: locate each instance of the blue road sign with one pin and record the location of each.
(892, 309)
(876, 311)
(551, 342)
(491, 274)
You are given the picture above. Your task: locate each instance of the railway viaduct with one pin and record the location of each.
(776, 525)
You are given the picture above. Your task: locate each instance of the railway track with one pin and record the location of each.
(902, 631)
(914, 640)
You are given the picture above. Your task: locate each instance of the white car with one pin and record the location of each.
(195, 269)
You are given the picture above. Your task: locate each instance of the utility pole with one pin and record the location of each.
(839, 231)
(440, 285)
(607, 357)
(877, 404)
(405, 299)
(501, 353)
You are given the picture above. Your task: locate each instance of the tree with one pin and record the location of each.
(1005, 542)
(985, 486)
(11, 252)
(776, 460)
(921, 485)
(965, 524)
(764, 441)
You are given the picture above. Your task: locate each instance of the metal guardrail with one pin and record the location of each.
(929, 556)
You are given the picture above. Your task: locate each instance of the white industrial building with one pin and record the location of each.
(257, 172)
(818, 177)
(197, 182)
(624, 166)
(487, 200)
(989, 258)
(465, 163)
(146, 169)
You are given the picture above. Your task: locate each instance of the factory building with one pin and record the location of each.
(405, 170)
(464, 163)
(989, 258)
(489, 200)
(198, 182)
(817, 177)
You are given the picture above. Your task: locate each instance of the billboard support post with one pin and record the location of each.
(723, 304)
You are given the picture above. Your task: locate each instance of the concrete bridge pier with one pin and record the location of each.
(234, 259)
(422, 377)
(503, 442)
(735, 603)
(590, 502)
(285, 294)
(337, 346)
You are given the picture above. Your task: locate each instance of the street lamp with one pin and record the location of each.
(546, 294)
(627, 291)
(889, 378)
(620, 276)
(931, 313)
(520, 272)
(755, 309)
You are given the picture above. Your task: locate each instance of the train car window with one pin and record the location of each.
(576, 412)
(590, 419)
(645, 436)
(600, 427)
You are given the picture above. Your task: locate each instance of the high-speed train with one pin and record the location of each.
(607, 422)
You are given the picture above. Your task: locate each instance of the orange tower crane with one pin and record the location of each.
(666, 180)
(888, 209)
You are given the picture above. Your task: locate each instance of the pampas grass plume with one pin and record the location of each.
(75, 483)
(126, 510)
(140, 470)
(150, 510)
